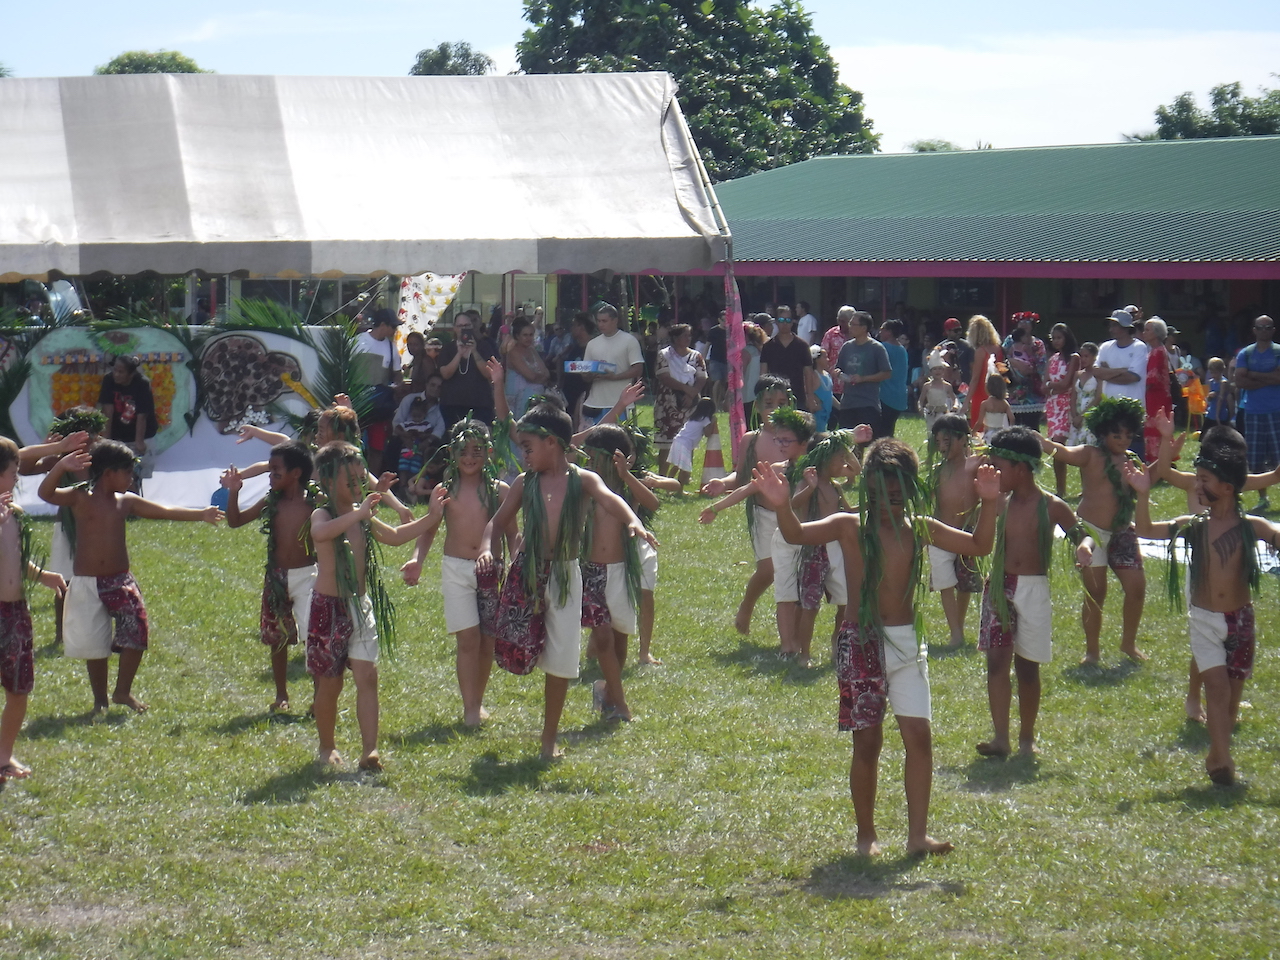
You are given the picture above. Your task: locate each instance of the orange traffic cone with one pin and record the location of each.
(712, 460)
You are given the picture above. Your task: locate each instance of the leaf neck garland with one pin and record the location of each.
(1044, 543)
(568, 537)
(67, 517)
(1126, 499)
(601, 463)
(277, 590)
(749, 462)
(869, 509)
(1195, 534)
(26, 549)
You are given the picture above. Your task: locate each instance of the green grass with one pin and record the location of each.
(716, 825)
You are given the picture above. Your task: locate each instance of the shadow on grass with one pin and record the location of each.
(994, 775)
(1208, 796)
(865, 878)
(48, 728)
(50, 651)
(1100, 675)
(765, 661)
(250, 720)
(440, 733)
(492, 777)
(298, 785)
(1193, 736)
(296, 670)
(945, 651)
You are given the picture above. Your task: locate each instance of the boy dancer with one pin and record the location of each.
(953, 576)
(102, 589)
(351, 615)
(17, 658)
(291, 560)
(465, 502)
(1223, 574)
(542, 594)
(879, 658)
(1017, 614)
(1106, 509)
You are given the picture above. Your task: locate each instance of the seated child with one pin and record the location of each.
(701, 423)
(880, 659)
(102, 589)
(17, 657)
(1222, 576)
(415, 433)
(291, 562)
(541, 609)
(351, 617)
(1017, 613)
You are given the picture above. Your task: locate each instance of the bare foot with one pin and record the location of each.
(650, 659)
(474, 721)
(281, 705)
(956, 643)
(930, 847)
(1090, 660)
(370, 762)
(1131, 651)
(101, 709)
(868, 848)
(1223, 776)
(990, 748)
(329, 758)
(130, 701)
(14, 770)
(1195, 711)
(806, 662)
(550, 756)
(742, 623)
(1027, 748)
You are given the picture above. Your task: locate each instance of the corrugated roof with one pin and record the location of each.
(1160, 202)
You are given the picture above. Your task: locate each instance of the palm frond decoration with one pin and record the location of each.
(340, 372)
(266, 316)
(22, 336)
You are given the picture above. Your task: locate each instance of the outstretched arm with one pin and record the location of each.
(1073, 456)
(28, 457)
(251, 432)
(395, 536)
(776, 494)
(978, 543)
(325, 526)
(235, 516)
(150, 510)
(724, 503)
(1140, 480)
(615, 506)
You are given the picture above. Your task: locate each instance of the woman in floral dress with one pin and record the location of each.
(1064, 364)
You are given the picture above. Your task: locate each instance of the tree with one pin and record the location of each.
(1230, 114)
(452, 60)
(5, 71)
(758, 87)
(935, 145)
(146, 61)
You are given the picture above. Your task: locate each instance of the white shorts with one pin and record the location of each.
(1210, 633)
(648, 565)
(301, 581)
(763, 527)
(86, 624)
(364, 631)
(1101, 541)
(1033, 638)
(906, 670)
(60, 558)
(786, 571)
(564, 627)
(622, 613)
(942, 569)
(458, 585)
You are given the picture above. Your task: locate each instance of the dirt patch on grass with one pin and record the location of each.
(71, 917)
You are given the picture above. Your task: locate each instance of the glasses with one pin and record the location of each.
(1264, 326)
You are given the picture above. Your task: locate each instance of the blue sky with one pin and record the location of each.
(1011, 74)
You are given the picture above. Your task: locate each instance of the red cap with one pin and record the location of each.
(951, 324)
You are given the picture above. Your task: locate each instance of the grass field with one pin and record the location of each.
(716, 825)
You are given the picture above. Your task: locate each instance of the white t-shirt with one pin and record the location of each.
(622, 350)
(1132, 358)
(435, 419)
(807, 329)
(385, 350)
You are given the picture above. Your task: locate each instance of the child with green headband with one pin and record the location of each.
(541, 607)
(1106, 509)
(757, 446)
(351, 615)
(291, 561)
(954, 576)
(102, 589)
(17, 656)
(465, 502)
(1017, 613)
(1223, 575)
(790, 432)
(880, 660)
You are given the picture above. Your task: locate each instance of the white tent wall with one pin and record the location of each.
(355, 176)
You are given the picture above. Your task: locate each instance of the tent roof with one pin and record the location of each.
(322, 176)
(1193, 201)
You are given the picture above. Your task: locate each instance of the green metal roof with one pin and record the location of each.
(1163, 201)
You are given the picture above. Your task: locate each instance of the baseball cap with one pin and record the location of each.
(951, 324)
(1122, 317)
(385, 315)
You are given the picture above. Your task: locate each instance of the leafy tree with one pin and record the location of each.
(451, 60)
(758, 87)
(936, 145)
(146, 61)
(5, 71)
(1230, 114)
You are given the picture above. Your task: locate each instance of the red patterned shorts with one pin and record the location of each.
(17, 661)
(595, 605)
(860, 674)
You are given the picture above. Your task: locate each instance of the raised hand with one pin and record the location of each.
(248, 432)
(1137, 477)
(368, 505)
(77, 460)
(987, 482)
(1163, 424)
(385, 482)
(863, 433)
(811, 476)
(212, 515)
(632, 393)
(75, 441)
(494, 366)
(231, 478)
(341, 400)
(439, 499)
(712, 488)
(771, 486)
(6, 506)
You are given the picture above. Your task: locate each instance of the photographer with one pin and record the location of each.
(466, 379)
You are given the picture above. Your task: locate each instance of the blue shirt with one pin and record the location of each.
(825, 399)
(893, 392)
(1259, 399)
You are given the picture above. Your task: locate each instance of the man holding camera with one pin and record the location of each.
(462, 363)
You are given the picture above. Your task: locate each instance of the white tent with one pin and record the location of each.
(325, 176)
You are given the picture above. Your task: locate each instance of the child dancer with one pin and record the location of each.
(351, 615)
(756, 446)
(1106, 509)
(541, 607)
(17, 657)
(880, 659)
(701, 423)
(1223, 574)
(954, 577)
(1084, 396)
(1017, 614)
(291, 559)
(466, 501)
(102, 589)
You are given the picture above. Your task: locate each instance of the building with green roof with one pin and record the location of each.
(1186, 229)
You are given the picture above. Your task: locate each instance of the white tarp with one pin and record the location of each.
(326, 176)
